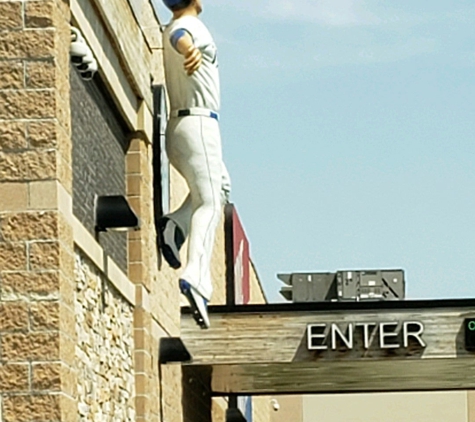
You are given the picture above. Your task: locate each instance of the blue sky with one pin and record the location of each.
(348, 129)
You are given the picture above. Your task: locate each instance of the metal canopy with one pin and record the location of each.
(264, 349)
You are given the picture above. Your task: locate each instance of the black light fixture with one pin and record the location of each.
(172, 350)
(114, 213)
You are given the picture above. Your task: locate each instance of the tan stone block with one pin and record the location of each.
(142, 318)
(45, 255)
(46, 376)
(33, 43)
(52, 316)
(62, 73)
(68, 350)
(69, 409)
(43, 134)
(147, 278)
(142, 384)
(31, 407)
(27, 104)
(134, 145)
(65, 145)
(42, 195)
(45, 316)
(11, 73)
(63, 61)
(11, 15)
(39, 14)
(67, 289)
(69, 380)
(136, 271)
(142, 297)
(65, 174)
(67, 262)
(135, 251)
(41, 164)
(142, 406)
(13, 196)
(142, 339)
(67, 319)
(66, 233)
(135, 204)
(14, 316)
(12, 136)
(14, 377)
(30, 226)
(133, 163)
(63, 111)
(30, 285)
(32, 346)
(13, 167)
(12, 256)
(134, 235)
(40, 74)
(143, 361)
(134, 184)
(154, 404)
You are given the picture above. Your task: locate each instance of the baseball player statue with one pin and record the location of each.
(193, 144)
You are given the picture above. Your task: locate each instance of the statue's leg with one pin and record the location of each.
(195, 151)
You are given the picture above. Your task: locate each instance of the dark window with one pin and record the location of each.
(100, 142)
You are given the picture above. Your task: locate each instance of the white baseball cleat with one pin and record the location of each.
(198, 304)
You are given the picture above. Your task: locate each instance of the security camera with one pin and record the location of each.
(275, 404)
(81, 55)
(78, 48)
(86, 61)
(88, 72)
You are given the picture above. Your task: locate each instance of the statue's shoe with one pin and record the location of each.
(171, 239)
(198, 304)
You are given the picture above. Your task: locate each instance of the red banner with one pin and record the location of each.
(239, 267)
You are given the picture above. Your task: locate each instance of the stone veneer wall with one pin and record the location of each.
(105, 332)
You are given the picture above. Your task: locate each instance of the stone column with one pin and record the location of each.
(138, 259)
(157, 311)
(37, 332)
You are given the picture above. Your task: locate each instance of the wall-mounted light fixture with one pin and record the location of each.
(114, 213)
(172, 350)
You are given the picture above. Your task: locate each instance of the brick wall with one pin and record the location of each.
(99, 146)
(37, 336)
(47, 311)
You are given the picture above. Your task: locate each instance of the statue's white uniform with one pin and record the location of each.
(194, 148)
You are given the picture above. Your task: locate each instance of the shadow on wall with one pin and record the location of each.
(196, 399)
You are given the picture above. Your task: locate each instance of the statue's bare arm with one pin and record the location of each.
(183, 43)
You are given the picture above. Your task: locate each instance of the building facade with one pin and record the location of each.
(361, 286)
(454, 406)
(82, 312)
